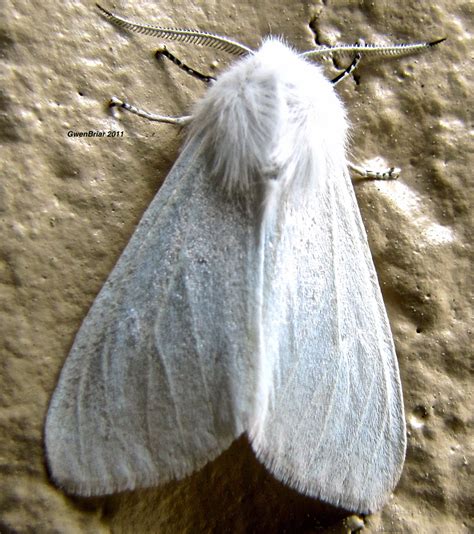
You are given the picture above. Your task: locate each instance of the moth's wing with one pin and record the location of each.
(334, 425)
(156, 383)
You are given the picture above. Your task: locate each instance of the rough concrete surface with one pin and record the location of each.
(69, 205)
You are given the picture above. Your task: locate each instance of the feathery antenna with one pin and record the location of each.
(371, 49)
(174, 34)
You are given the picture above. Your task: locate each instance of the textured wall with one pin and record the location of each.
(68, 207)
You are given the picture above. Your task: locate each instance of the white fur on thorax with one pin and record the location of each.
(272, 118)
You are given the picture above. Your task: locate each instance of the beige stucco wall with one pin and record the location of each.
(68, 206)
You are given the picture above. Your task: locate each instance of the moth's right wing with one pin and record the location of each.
(332, 424)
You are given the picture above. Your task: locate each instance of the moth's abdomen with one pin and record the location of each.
(272, 117)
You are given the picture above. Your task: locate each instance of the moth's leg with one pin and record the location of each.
(347, 71)
(179, 121)
(391, 173)
(351, 68)
(163, 51)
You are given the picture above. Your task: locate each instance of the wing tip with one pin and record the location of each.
(338, 497)
(95, 480)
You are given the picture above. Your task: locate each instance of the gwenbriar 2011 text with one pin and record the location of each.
(96, 133)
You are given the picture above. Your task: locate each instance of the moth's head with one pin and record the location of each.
(272, 116)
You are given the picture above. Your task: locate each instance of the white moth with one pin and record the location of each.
(245, 302)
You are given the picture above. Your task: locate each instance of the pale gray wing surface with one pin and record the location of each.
(159, 380)
(334, 427)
